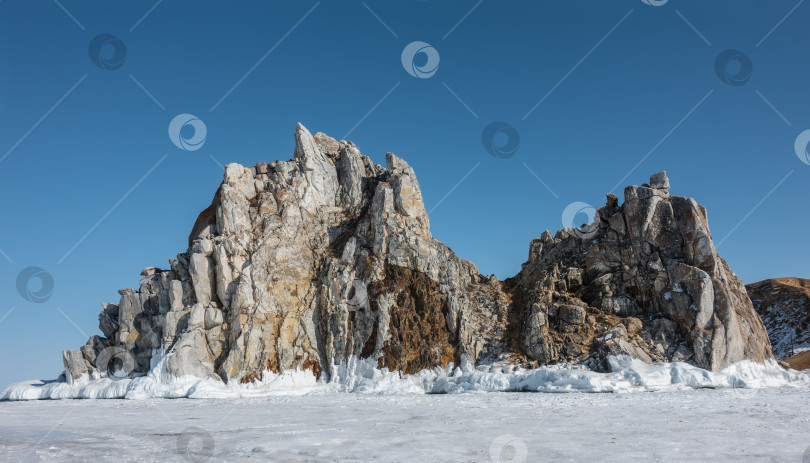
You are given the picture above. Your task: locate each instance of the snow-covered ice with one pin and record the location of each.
(361, 376)
(693, 425)
(663, 412)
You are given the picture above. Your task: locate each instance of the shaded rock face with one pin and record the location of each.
(784, 306)
(305, 263)
(644, 280)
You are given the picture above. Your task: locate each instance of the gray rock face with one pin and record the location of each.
(308, 262)
(75, 365)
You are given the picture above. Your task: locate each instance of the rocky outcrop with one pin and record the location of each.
(644, 280)
(303, 264)
(784, 306)
(799, 361)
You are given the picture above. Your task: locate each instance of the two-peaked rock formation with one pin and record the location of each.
(308, 262)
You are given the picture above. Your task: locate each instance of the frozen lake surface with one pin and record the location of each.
(737, 425)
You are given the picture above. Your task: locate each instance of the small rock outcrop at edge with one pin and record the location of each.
(784, 306)
(303, 264)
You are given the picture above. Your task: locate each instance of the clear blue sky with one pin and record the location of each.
(645, 68)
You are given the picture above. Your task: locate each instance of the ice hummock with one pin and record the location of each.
(362, 376)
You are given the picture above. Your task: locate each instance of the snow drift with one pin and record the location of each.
(361, 376)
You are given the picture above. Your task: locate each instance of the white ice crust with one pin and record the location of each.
(362, 376)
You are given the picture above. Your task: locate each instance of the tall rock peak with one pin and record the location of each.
(307, 263)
